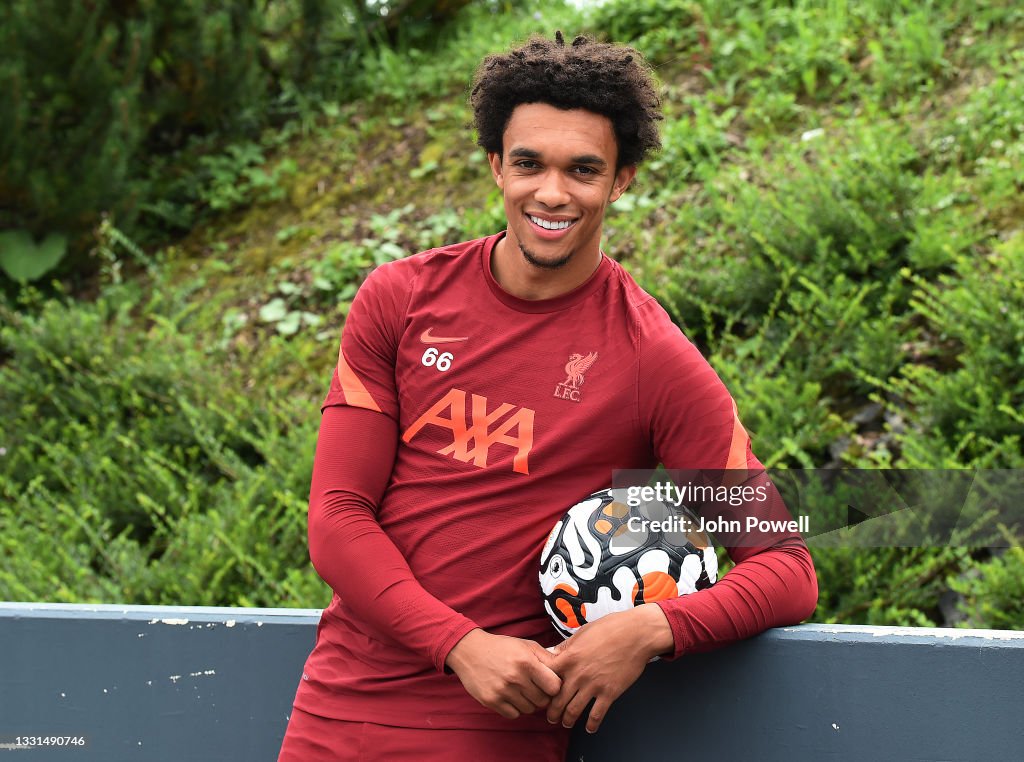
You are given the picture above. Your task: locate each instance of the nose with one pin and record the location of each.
(552, 190)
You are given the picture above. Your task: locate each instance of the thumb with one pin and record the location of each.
(549, 655)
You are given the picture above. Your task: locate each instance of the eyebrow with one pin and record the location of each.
(529, 153)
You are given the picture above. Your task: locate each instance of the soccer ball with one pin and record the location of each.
(605, 555)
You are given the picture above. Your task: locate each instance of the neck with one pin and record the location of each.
(523, 280)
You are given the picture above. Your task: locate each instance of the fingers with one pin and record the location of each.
(543, 676)
(575, 708)
(597, 713)
(509, 676)
(537, 697)
(506, 710)
(556, 709)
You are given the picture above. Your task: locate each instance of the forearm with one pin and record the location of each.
(772, 588)
(353, 554)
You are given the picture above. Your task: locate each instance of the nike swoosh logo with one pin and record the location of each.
(428, 338)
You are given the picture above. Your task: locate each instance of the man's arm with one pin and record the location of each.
(693, 425)
(349, 550)
(771, 588)
(352, 553)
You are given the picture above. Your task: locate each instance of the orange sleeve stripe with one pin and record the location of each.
(740, 439)
(353, 389)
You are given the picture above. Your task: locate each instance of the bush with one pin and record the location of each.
(100, 97)
(138, 469)
(992, 593)
(94, 88)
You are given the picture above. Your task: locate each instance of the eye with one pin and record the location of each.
(527, 164)
(584, 171)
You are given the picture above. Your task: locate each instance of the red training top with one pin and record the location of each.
(461, 423)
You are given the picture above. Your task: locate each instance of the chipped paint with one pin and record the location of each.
(878, 631)
(984, 657)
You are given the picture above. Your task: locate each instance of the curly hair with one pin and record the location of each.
(611, 80)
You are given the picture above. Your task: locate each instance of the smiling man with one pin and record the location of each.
(481, 388)
(558, 174)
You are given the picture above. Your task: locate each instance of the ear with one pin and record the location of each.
(494, 159)
(622, 180)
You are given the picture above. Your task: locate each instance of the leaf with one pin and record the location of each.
(289, 324)
(322, 284)
(23, 260)
(387, 250)
(273, 311)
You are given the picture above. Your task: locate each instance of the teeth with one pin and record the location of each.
(547, 225)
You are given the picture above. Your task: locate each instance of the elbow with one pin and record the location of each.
(316, 556)
(316, 532)
(807, 600)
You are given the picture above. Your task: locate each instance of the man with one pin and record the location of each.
(453, 437)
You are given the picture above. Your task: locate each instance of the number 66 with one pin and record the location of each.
(442, 361)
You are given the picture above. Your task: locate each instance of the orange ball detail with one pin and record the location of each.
(658, 586)
(570, 616)
(616, 510)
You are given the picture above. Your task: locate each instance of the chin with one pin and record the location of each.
(545, 264)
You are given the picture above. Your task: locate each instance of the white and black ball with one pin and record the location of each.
(605, 555)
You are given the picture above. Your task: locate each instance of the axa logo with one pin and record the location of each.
(475, 429)
(574, 370)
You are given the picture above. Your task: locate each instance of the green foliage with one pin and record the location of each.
(71, 114)
(840, 263)
(884, 585)
(970, 413)
(94, 87)
(993, 591)
(834, 220)
(109, 106)
(237, 178)
(136, 468)
(24, 260)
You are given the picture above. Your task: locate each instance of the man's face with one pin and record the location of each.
(557, 174)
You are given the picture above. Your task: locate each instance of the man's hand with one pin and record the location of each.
(509, 675)
(603, 658)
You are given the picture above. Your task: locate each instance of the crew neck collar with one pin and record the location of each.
(555, 304)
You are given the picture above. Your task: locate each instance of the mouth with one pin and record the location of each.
(550, 228)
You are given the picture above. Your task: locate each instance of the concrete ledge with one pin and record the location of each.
(171, 683)
(820, 692)
(151, 682)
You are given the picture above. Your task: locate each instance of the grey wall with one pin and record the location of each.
(158, 683)
(151, 683)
